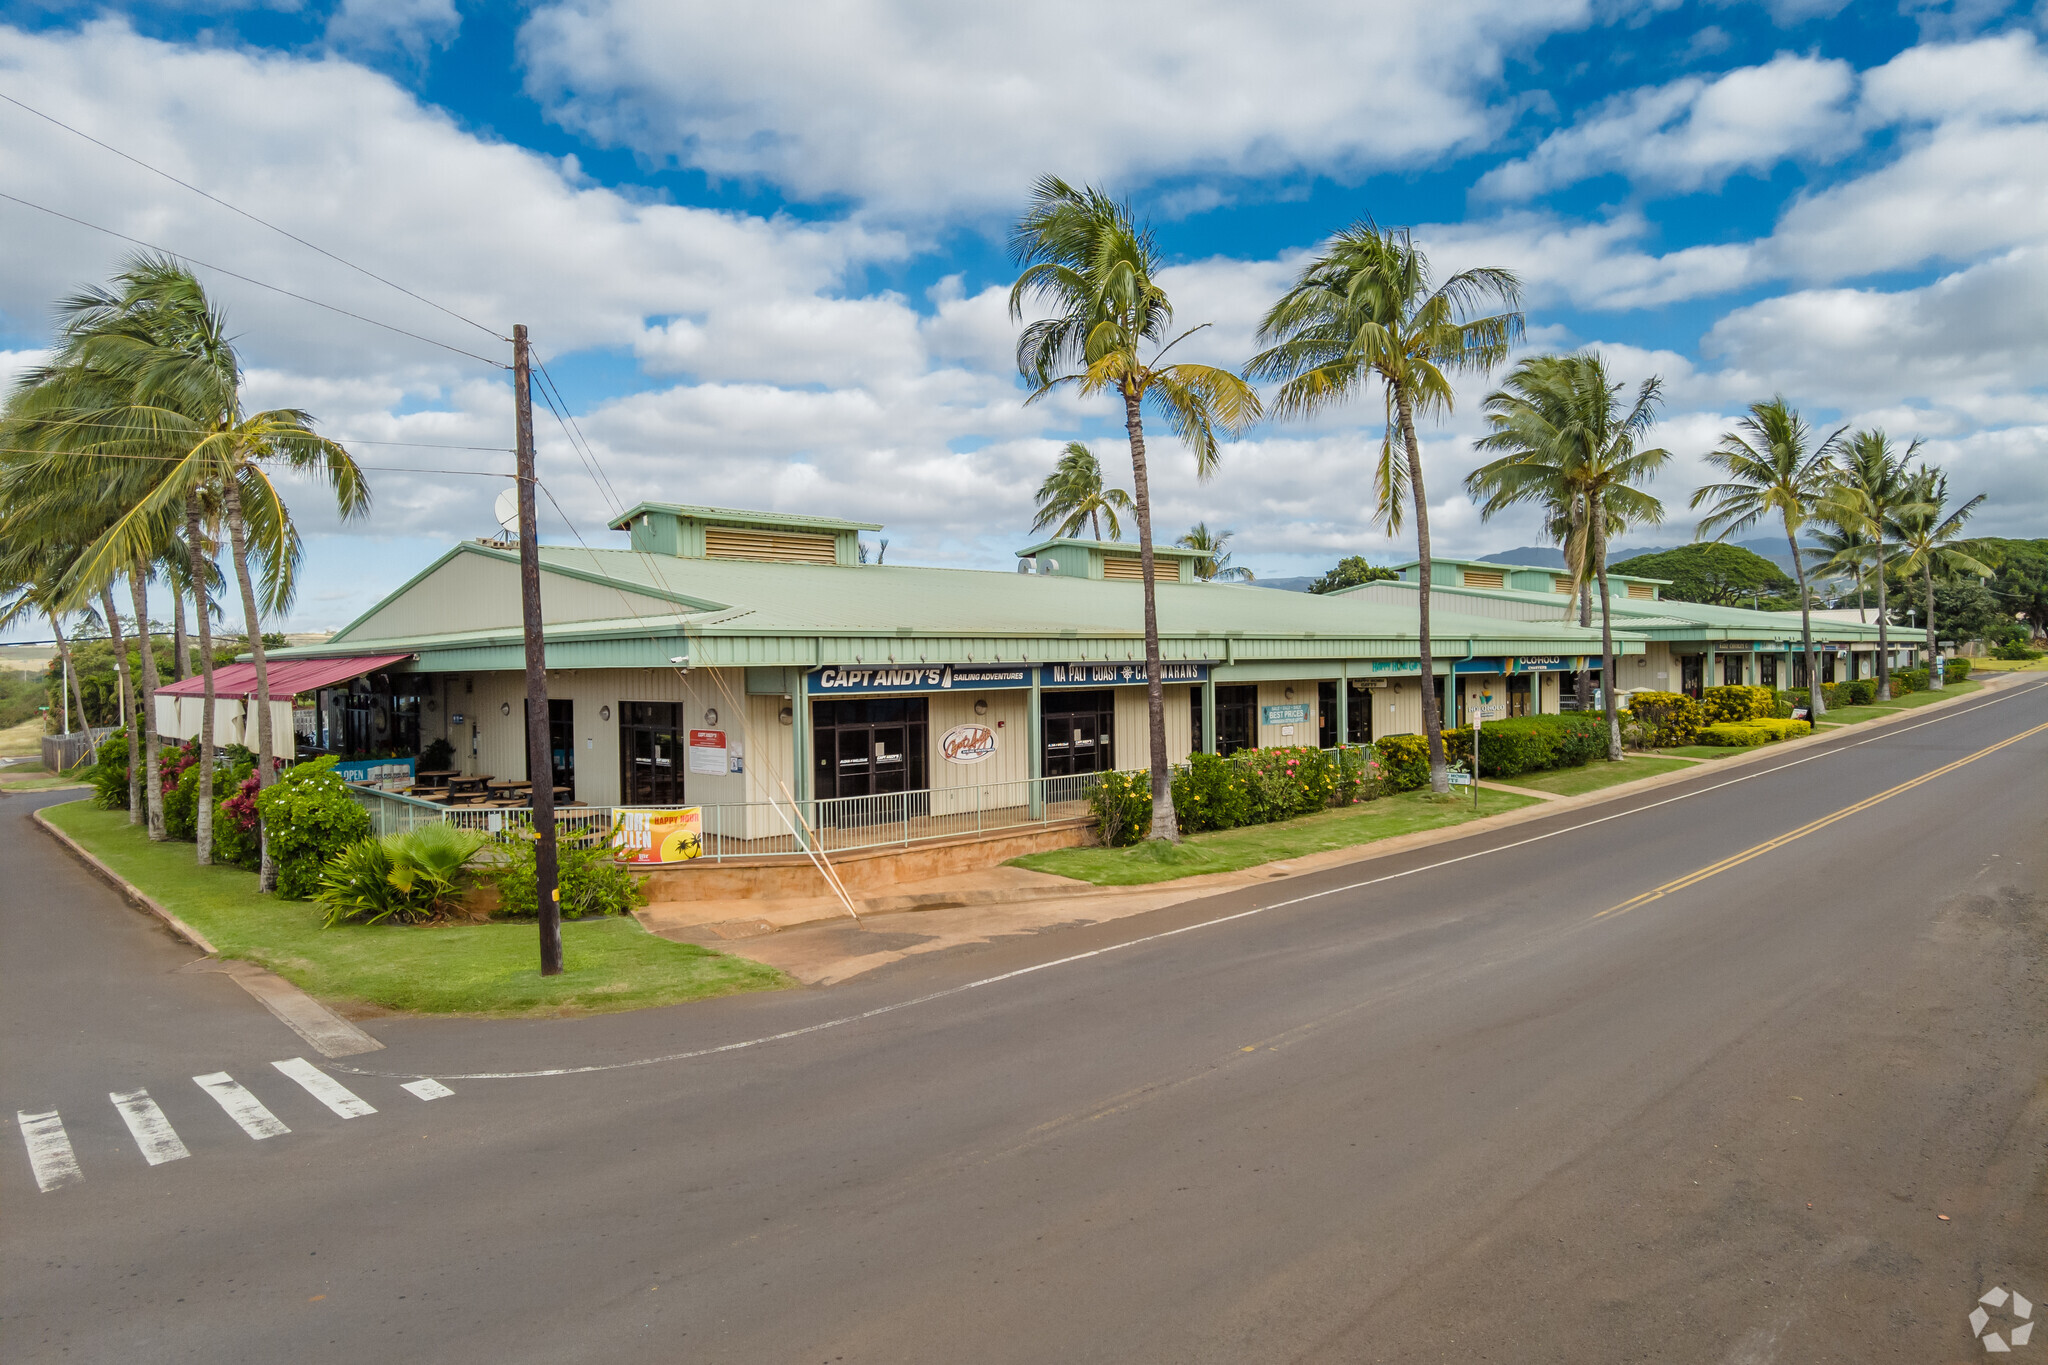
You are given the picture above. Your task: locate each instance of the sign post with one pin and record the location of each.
(1478, 715)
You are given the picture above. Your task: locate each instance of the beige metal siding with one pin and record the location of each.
(1134, 726)
(1560, 583)
(1275, 694)
(1642, 592)
(784, 547)
(1484, 578)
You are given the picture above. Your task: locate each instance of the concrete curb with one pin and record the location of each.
(323, 1029)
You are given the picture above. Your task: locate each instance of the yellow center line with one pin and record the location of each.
(1737, 859)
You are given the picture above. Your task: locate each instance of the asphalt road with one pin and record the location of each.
(1437, 1107)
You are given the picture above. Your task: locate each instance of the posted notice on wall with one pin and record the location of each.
(707, 752)
(659, 836)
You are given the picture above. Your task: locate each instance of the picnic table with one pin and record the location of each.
(459, 785)
(435, 777)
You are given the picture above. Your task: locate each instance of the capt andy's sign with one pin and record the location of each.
(985, 677)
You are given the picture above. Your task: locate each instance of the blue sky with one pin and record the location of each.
(761, 246)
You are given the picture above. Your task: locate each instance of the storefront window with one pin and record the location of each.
(1237, 718)
(650, 753)
(1358, 717)
(1079, 730)
(1731, 670)
(561, 744)
(1767, 670)
(1689, 674)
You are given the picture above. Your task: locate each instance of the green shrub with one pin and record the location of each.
(1209, 793)
(1358, 775)
(1737, 703)
(2015, 651)
(409, 877)
(309, 816)
(1729, 735)
(1527, 744)
(1285, 781)
(438, 756)
(1906, 680)
(590, 880)
(1121, 803)
(1854, 692)
(1670, 718)
(1404, 761)
(235, 836)
(109, 777)
(1955, 670)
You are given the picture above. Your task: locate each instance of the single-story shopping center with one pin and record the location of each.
(732, 657)
(1690, 646)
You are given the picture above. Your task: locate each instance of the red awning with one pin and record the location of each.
(288, 677)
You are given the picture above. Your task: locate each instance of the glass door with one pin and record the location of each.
(650, 752)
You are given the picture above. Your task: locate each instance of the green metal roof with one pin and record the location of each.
(1121, 547)
(743, 612)
(1520, 568)
(1665, 619)
(729, 516)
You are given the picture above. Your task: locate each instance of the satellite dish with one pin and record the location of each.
(506, 509)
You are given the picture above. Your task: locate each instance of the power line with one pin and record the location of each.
(261, 284)
(176, 459)
(605, 480)
(49, 118)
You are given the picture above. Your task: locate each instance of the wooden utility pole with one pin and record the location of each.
(540, 763)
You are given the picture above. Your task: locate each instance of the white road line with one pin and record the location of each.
(427, 1088)
(49, 1150)
(243, 1107)
(1890, 732)
(326, 1089)
(148, 1126)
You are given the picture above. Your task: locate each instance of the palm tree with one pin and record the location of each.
(1569, 446)
(1367, 308)
(1773, 467)
(1217, 566)
(1094, 269)
(151, 370)
(1840, 548)
(1870, 490)
(31, 568)
(1929, 533)
(1074, 496)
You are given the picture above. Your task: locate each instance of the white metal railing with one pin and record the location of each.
(767, 829)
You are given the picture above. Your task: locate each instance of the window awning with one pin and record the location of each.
(288, 677)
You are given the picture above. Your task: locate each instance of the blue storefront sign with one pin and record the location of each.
(1546, 663)
(1293, 713)
(1119, 675)
(842, 682)
(837, 682)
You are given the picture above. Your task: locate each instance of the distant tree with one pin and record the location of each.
(1217, 565)
(2020, 579)
(1349, 572)
(1930, 535)
(1074, 495)
(1714, 572)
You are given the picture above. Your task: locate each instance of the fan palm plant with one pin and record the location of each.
(1367, 308)
(1773, 468)
(1930, 536)
(1074, 495)
(1871, 489)
(1094, 270)
(1569, 446)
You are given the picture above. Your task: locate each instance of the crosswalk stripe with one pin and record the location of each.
(243, 1107)
(148, 1126)
(427, 1088)
(49, 1150)
(325, 1088)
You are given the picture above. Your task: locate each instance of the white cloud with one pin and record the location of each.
(928, 106)
(404, 27)
(1695, 132)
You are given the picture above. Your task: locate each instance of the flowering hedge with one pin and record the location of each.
(1253, 787)
(309, 816)
(1667, 719)
(1738, 704)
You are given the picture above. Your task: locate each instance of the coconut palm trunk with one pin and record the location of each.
(1933, 649)
(1816, 707)
(145, 712)
(1582, 685)
(1607, 706)
(127, 685)
(1164, 824)
(179, 640)
(195, 546)
(1884, 649)
(1432, 719)
(238, 541)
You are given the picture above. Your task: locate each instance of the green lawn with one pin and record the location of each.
(1705, 751)
(1595, 775)
(1230, 849)
(490, 969)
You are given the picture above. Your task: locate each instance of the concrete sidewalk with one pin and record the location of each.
(816, 941)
